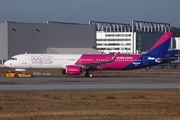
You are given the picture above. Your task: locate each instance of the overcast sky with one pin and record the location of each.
(83, 11)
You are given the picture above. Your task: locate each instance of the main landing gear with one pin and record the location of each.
(88, 74)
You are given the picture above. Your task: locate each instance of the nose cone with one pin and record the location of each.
(7, 64)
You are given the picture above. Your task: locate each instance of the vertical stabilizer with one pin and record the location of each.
(161, 46)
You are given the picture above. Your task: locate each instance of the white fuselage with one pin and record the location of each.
(42, 61)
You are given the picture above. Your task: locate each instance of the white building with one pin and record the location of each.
(127, 39)
(113, 42)
(177, 39)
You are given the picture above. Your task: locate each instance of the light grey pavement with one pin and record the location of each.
(82, 83)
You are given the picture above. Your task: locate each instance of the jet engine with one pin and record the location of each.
(72, 70)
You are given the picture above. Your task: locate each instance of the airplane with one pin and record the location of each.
(75, 64)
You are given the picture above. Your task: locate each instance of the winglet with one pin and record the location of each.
(101, 53)
(115, 56)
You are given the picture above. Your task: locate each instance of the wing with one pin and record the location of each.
(96, 64)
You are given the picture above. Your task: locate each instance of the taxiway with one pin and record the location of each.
(82, 83)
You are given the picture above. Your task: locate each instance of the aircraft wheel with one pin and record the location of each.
(90, 75)
(86, 74)
(16, 75)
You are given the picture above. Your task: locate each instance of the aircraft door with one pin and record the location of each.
(24, 59)
(145, 60)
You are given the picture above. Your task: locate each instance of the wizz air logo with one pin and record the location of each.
(41, 59)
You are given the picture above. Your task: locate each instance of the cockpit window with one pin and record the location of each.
(13, 58)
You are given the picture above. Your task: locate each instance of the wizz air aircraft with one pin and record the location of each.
(75, 64)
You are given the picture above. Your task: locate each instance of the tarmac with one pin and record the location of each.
(80, 83)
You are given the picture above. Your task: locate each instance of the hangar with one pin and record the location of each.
(128, 39)
(55, 37)
(18, 38)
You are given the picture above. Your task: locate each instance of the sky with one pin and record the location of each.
(83, 11)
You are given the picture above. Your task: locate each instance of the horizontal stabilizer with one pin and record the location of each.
(165, 59)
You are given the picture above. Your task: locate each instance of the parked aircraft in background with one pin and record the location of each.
(75, 64)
